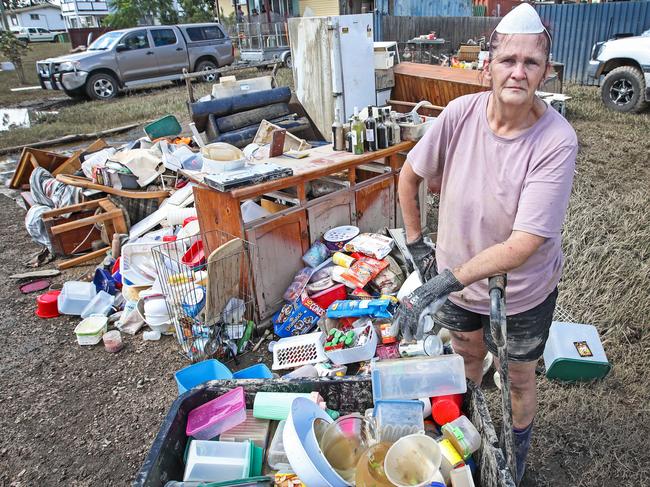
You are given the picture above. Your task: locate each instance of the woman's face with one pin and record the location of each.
(517, 69)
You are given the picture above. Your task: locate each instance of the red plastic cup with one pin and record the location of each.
(446, 408)
(47, 306)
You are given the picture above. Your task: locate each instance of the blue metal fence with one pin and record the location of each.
(425, 8)
(577, 27)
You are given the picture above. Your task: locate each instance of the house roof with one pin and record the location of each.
(33, 7)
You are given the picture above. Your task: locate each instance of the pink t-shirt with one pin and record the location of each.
(492, 185)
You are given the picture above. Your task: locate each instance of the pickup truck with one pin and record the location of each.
(134, 57)
(621, 66)
(34, 34)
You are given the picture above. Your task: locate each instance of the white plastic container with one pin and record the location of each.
(410, 378)
(252, 211)
(276, 454)
(74, 297)
(101, 304)
(461, 477)
(413, 461)
(91, 329)
(217, 461)
(574, 352)
(137, 263)
(212, 166)
(355, 354)
(396, 419)
(292, 352)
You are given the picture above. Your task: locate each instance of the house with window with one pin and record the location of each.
(43, 16)
(79, 14)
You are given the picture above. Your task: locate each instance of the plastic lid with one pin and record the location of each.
(444, 411)
(169, 238)
(189, 219)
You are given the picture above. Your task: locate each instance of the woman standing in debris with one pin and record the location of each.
(503, 163)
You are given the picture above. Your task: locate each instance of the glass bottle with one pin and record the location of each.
(371, 131)
(382, 132)
(357, 131)
(397, 133)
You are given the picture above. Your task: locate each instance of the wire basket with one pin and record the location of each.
(207, 282)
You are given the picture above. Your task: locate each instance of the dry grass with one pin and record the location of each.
(134, 106)
(597, 433)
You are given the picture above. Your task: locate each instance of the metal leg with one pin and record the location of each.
(498, 328)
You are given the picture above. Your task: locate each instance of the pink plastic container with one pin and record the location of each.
(216, 416)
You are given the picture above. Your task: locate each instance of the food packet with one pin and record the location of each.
(372, 244)
(363, 271)
(376, 308)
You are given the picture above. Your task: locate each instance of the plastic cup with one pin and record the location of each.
(113, 341)
(446, 408)
(413, 461)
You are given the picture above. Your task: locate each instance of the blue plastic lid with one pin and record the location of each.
(437, 484)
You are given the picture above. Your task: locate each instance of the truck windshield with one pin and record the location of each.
(106, 41)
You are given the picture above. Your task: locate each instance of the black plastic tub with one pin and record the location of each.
(348, 394)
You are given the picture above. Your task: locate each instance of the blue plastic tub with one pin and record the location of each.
(257, 371)
(199, 373)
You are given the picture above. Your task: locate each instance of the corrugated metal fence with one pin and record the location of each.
(447, 8)
(576, 28)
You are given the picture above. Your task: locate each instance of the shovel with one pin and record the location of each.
(498, 328)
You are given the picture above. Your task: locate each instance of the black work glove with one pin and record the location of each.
(413, 306)
(423, 257)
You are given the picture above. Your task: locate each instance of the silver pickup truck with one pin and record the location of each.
(133, 57)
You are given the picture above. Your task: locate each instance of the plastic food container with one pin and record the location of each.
(113, 341)
(217, 461)
(91, 329)
(463, 435)
(74, 297)
(295, 351)
(216, 416)
(46, 305)
(195, 255)
(253, 429)
(101, 304)
(200, 372)
(356, 354)
(413, 461)
(396, 419)
(337, 237)
(418, 377)
(276, 455)
(574, 352)
(276, 405)
(137, 266)
(257, 371)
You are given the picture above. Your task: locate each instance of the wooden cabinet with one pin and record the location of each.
(375, 203)
(279, 245)
(332, 210)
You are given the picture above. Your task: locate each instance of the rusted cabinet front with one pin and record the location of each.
(334, 210)
(375, 203)
(279, 245)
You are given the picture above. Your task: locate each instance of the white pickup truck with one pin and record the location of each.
(622, 68)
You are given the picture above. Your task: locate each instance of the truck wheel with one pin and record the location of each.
(207, 66)
(623, 89)
(287, 62)
(101, 86)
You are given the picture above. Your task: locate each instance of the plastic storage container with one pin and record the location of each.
(216, 416)
(574, 352)
(217, 461)
(277, 457)
(356, 354)
(90, 330)
(257, 371)
(418, 377)
(74, 297)
(292, 352)
(396, 419)
(198, 373)
(137, 266)
(463, 435)
(113, 341)
(101, 304)
(275, 405)
(254, 429)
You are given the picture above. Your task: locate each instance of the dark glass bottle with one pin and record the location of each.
(371, 131)
(382, 132)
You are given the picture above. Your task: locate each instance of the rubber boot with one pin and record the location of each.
(522, 444)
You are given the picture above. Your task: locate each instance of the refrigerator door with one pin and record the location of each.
(357, 61)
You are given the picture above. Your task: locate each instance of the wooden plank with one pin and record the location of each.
(72, 208)
(217, 213)
(66, 264)
(88, 184)
(73, 163)
(66, 227)
(224, 278)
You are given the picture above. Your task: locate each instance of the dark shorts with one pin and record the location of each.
(527, 331)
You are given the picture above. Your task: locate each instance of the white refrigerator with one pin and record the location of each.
(333, 66)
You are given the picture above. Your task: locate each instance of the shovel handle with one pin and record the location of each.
(498, 283)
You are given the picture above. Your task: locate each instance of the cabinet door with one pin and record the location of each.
(375, 204)
(335, 210)
(422, 198)
(279, 245)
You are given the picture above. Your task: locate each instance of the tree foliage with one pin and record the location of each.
(198, 10)
(13, 49)
(129, 13)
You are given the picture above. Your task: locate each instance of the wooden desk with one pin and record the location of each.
(367, 198)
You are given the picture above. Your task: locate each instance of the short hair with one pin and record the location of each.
(544, 41)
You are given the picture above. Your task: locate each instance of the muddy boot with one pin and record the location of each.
(522, 444)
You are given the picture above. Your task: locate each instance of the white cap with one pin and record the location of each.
(522, 19)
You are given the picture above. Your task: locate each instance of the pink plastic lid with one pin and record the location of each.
(218, 410)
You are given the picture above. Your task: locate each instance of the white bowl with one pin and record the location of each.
(212, 166)
(301, 446)
(155, 306)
